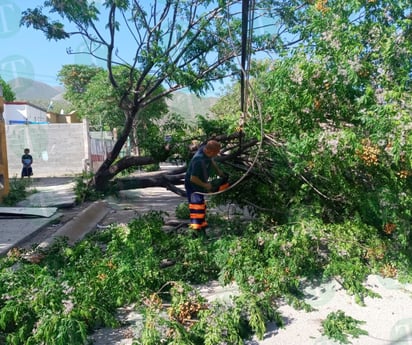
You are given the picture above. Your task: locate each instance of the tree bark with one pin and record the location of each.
(172, 180)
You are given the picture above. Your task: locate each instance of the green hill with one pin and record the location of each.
(40, 94)
(189, 105)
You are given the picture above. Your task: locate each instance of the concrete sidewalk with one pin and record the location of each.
(51, 194)
(54, 194)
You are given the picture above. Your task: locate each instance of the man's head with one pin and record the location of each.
(212, 148)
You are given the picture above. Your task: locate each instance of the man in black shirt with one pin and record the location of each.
(27, 161)
(196, 182)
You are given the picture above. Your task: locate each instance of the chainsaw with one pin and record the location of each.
(220, 184)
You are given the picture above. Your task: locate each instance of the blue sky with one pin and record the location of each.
(27, 53)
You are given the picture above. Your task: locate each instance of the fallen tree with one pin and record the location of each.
(235, 154)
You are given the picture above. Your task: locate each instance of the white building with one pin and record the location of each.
(23, 113)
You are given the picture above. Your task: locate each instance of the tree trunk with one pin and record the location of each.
(172, 180)
(108, 170)
(167, 179)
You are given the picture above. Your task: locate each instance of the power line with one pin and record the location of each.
(247, 30)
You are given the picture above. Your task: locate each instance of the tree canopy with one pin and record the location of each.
(338, 64)
(8, 94)
(94, 98)
(173, 44)
(334, 119)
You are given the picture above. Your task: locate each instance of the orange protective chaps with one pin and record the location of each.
(198, 215)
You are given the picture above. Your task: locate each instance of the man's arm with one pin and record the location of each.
(217, 169)
(197, 181)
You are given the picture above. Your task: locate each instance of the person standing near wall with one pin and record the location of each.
(27, 161)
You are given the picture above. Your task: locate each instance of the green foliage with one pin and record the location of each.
(338, 326)
(166, 138)
(211, 128)
(17, 191)
(95, 99)
(76, 79)
(182, 211)
(331, 187)
(189, 50)
(151, 167)
(334, 112)
(75, 289)
(8, 94)
(83, 190)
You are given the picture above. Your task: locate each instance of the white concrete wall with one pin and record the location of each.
(57, 149)
(22, 111)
